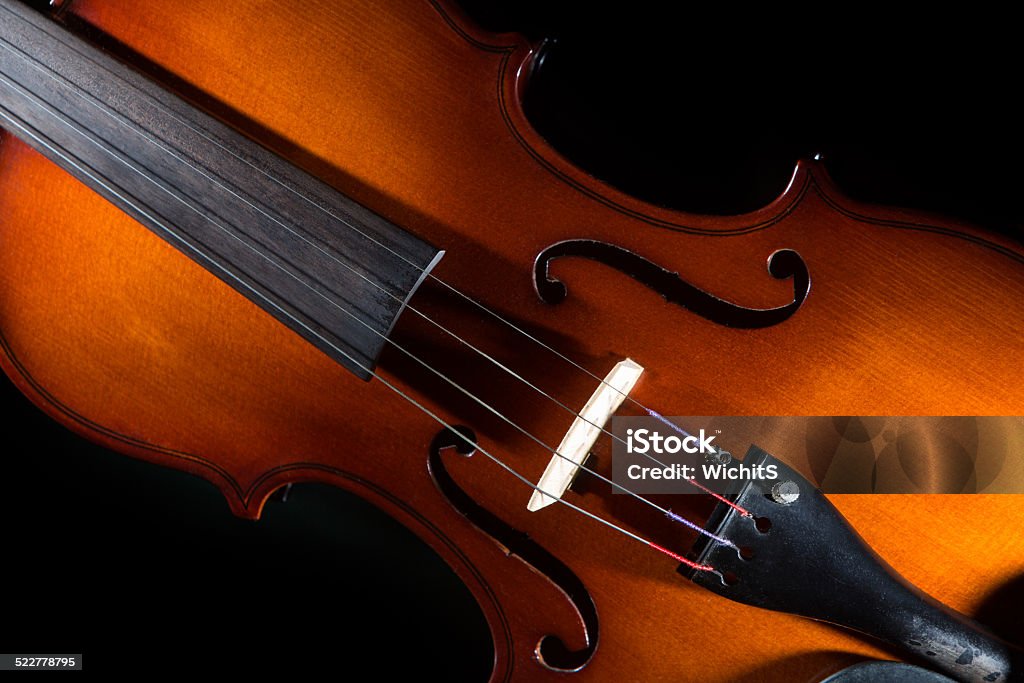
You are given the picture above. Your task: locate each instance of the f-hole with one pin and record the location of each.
(782, 264)
(551, 651)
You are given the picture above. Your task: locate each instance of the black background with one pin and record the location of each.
(139, 566)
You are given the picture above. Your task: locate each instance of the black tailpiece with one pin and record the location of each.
(800, 556)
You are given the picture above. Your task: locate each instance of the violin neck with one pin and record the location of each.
(333, 271)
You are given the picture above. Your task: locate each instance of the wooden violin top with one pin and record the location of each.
(416, 114)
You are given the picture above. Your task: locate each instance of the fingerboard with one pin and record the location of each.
(330, 269)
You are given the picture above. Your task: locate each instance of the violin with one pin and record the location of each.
(389, 283)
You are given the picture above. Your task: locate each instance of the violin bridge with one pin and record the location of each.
(583, 432)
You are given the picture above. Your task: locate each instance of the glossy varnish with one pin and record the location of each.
(122, 338)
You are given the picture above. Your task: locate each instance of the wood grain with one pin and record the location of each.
(335, 273)
(123, 339)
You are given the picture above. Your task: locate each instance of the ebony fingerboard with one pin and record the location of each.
(330, 269)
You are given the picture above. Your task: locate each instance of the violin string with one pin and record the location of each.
(11, 121)
(695, 527)
(735, 506)
(62, 82)
(331, 256)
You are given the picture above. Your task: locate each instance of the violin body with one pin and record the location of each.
(124, 340)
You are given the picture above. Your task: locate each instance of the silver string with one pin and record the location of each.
(356, 229)
(329, 255)
(288, 228)
(329, 300)
(373, 373)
